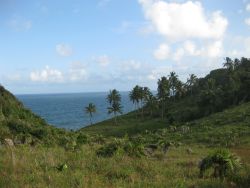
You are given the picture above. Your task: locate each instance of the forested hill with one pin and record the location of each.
(178, 102)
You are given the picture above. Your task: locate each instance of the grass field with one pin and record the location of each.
(37, 167)
(80, 166)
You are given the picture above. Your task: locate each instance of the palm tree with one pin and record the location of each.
(222, 161)
(114, 100)
(173, 80)
(180, 89)
(90, 109)
(229, 64)
(145, 92)
(151, 103)
(113, 96)
(163, 93)
(134, 96)
(191, 81)
(115, 108)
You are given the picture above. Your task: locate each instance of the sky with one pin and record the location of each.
(67, 46)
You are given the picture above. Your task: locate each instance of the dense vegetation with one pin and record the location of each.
(188, 135)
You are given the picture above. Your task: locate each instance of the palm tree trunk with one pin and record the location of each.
(142, 109)
(115, 118)
(162, 110)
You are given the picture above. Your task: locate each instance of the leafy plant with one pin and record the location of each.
(222, 162)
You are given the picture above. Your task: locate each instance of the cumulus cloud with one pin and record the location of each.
(47, 75)
(64, 50)
(162, 52)
(103, 60)
(177, 21)
(182, 24)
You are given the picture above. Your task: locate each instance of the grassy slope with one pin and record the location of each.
(233, 122)
(26, 166)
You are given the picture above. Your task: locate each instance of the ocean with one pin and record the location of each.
(68, 110)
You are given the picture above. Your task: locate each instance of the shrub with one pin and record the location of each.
(222, 162)
(108, 150)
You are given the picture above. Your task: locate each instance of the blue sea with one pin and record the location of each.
(68, 110)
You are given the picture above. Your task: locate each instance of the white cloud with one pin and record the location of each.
(77, 72)
(178, 54)
(240, 47)
(162, 52)
(183, 25)
(19, 24)
(214, 49)
(248, 7)
(103, 60)
(178, 21)
(64, 50)
(247, 21)
(47, 75)
(131, 65)
(158, 72)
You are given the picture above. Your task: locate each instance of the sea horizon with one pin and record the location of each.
(66, 110)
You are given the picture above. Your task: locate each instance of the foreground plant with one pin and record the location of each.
(222, 162)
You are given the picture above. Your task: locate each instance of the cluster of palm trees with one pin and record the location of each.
(169, 88)
(115, 107)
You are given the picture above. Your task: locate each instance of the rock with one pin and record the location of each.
(9, 142)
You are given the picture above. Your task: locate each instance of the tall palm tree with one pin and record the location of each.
(229, 64)
(163, 93)
(144, 94)
(90, 109)
(115, 108)
(114, 100)
(134, 96)
(191, 81)
(173, 80)
(151, 103)
(113, 96)
(180, 89)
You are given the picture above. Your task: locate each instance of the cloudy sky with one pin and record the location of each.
(81, 46)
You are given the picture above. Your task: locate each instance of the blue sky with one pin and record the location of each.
(82, 46)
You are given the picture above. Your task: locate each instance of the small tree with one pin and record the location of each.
(90, 109)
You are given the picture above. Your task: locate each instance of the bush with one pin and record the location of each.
(222, 162)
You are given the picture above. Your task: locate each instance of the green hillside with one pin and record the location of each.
(231, 125)
(23, 126)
